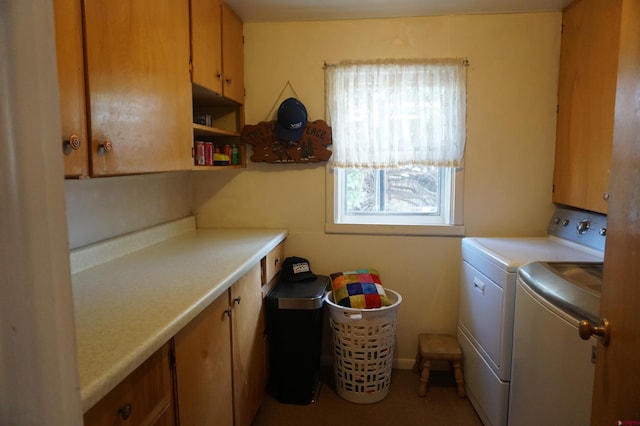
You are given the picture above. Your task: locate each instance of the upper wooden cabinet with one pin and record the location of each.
(68, 22)
(217, 49)
(218, 85)
(586, 101)
(206, 42)
(126, 92)
(232, 55)
(138, 85)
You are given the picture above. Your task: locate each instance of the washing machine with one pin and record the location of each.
(551, 364)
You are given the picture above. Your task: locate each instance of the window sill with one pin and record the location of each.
(425, 230)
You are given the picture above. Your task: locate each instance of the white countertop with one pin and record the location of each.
(129, 306)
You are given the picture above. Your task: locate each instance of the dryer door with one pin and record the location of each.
(483, 309)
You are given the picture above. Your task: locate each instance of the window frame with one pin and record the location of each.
(452, 198)
(456, 228)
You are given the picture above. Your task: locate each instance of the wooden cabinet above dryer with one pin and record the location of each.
(586, 102)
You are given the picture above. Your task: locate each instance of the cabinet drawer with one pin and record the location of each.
(143, 397)
(272, 263)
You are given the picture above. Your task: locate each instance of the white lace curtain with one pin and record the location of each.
(393, 113)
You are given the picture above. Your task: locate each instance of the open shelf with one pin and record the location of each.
(226, 119)
(201, 130)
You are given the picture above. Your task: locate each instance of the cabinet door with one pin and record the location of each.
(586, 97)
(232, 55)
(68, 21)
(206, 42)
(145, 397)
(203, 368)
(249, 376)
(137, 60)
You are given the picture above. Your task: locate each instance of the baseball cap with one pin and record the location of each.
(296, 269)
(292, 119)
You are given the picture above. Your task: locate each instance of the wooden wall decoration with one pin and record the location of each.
(310, 149)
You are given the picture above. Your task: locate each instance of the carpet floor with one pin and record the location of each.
(402, 406)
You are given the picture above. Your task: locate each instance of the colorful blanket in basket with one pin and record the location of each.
(360, 289)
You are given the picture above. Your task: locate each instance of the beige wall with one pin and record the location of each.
(512, 84)
(98, 209)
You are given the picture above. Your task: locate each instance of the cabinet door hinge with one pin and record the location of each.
(243, 40)
(557, 108)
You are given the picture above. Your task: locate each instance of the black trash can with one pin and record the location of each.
(294, 328)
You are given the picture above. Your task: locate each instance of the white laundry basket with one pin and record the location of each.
(363, 341)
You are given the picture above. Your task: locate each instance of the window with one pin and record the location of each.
(398, 143)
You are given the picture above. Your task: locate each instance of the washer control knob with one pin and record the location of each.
(603, 232)
(583, 226)
(565, 222)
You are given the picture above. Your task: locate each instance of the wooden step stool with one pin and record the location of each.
(438, 347)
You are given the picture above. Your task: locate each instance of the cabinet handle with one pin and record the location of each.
(105, 147)
(236, 300)
(228, 81)
(125, 411)
(73, 144)
(219, 75)
(227, 312)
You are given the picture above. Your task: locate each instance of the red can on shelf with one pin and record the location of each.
(227, 152)
(199, 154)
(208, 153)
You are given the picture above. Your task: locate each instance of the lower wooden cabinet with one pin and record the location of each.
(248, 348)
(219, 356)
(145, 397)
(203, 368)
(213, 371)
(272, 263)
